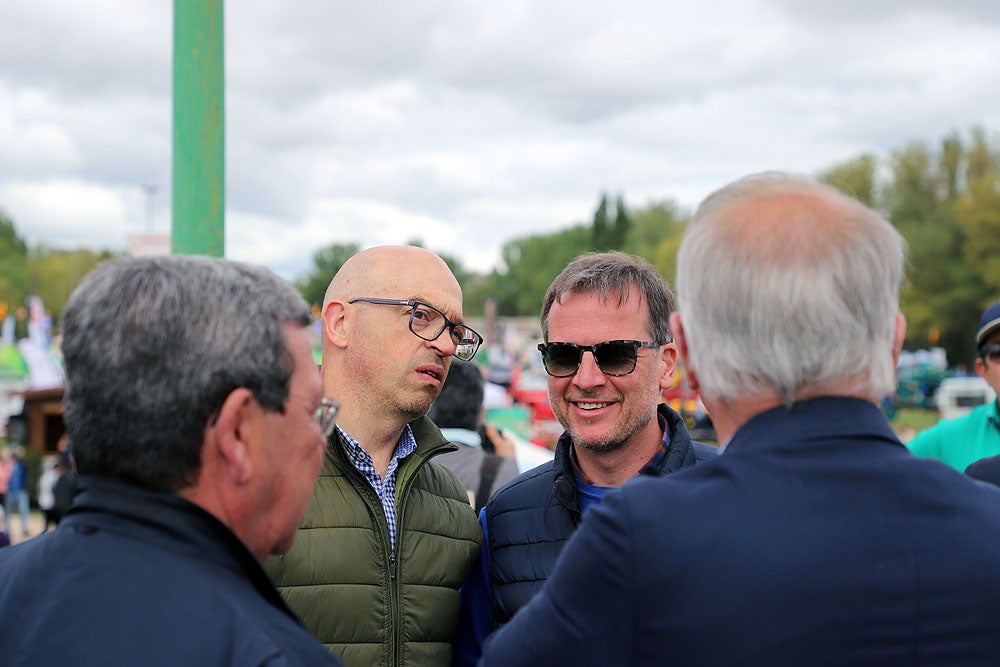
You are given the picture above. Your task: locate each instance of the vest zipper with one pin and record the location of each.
(397, 615)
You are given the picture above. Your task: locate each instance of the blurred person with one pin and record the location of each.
(962, 441)
(197, 419)
(46, 486)
(815, 538)
(64, 450)
(6, 470)
(608, 353)
(389, 534)
(17, 492)
(485, 458)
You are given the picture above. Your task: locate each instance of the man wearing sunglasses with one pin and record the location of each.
(198, 425)
(815, 538)
(389, 535)
(965, 440)
(608, 353)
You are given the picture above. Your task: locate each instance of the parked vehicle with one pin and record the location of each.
(958, 395)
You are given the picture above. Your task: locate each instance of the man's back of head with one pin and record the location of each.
(789, 289)
(154, 345)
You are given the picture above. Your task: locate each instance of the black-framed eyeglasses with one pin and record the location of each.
(613, 357)
(428, 322)
(991, 352)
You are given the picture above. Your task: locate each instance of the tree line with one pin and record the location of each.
(944, 199)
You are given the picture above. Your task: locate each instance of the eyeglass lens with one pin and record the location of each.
(613, 357)
(992, 352)
(429, 323)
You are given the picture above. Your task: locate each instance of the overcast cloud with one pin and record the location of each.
(466, 123)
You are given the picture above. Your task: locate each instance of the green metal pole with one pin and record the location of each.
(199, 163)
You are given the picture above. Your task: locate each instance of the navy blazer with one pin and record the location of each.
(816, 538)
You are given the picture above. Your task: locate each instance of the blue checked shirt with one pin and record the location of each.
(386, 489)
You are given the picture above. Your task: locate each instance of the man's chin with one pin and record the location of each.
(596, 445)
(418, 409)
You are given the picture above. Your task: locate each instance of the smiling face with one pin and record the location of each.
(602, 412)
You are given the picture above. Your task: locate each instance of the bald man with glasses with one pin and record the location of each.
(609, 353)
(389, 534)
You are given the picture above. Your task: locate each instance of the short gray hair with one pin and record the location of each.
(152, 348)
(809, 299)
(611, 275)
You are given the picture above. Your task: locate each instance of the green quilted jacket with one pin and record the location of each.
(367, 604)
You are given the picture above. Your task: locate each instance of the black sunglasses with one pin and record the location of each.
(614, 357)
(991, 352)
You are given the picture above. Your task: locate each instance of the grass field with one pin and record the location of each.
(910, 421)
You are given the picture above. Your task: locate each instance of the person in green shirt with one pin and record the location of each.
(964, 440)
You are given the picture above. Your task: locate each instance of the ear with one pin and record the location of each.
(980, 368)
(897, 339)
(668, 359)
(336, 325)
(680, 340)
(233, 430)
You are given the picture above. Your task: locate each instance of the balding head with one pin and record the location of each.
(787, 287)
(388, 271)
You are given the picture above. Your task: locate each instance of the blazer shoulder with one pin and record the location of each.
(703, 451)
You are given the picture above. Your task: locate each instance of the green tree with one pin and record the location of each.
(601, 229)
(981, 157)
(622, 226)
(530, 265)
(944, 204)
(952, 158)
(978, 215)
(13, 266)
(855, 177)
(55, 273)
(656, 234)
(326, 263)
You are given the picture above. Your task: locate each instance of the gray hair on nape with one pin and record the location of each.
(803, 296)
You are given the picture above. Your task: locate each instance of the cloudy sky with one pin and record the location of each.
(467, 123)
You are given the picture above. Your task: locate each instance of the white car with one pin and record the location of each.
(958, 395)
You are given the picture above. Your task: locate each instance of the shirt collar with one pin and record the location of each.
(406, 445)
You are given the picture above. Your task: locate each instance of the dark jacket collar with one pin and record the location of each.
(817, 420)
(165, 519)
